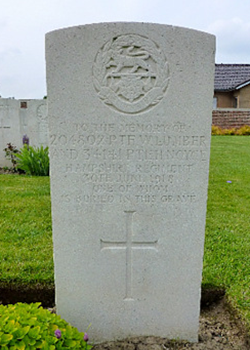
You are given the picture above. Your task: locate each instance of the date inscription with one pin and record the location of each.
(129, 163)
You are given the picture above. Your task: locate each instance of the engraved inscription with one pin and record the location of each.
(131, 163)
(4, 122)
(130, 73)
(42, 117)
(129, 245)
(3, 125)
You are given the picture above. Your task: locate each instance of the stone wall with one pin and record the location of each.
(231, 118)
(22, 117)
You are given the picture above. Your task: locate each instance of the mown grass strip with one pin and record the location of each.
(227, 245)
(25, 230)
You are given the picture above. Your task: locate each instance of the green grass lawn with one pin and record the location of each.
(25, 230)
(227, 246)
(25, 225)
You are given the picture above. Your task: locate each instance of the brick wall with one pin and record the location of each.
(231, 118)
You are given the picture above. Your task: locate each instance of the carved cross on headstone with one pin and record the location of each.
(129, 245)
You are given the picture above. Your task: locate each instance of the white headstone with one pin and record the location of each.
(34, 121)
(19, 118)
(9, 127)
(130, 108)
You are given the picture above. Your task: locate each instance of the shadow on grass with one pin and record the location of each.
(13, 293)
(211, 295)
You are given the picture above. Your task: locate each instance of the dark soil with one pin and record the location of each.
(9, 171)
(12, 293)
(6, 171)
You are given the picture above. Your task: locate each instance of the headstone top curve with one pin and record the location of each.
(130, 107)
(127, 23)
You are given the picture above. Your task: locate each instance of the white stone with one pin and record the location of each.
(130, 108)
(9, 127)
(19, 118)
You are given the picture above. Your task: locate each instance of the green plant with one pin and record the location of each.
(11, 154)
(244, 130)
(232, 131)
(29, 327)
(34, 161)
(216, 130)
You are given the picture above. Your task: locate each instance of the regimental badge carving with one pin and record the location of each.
(130, 73)
(42, 113)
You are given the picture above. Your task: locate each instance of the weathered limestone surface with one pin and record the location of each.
(130, 108)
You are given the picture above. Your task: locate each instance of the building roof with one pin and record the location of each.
(229, 77)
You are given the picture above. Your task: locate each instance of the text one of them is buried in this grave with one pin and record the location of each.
(135, 162)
